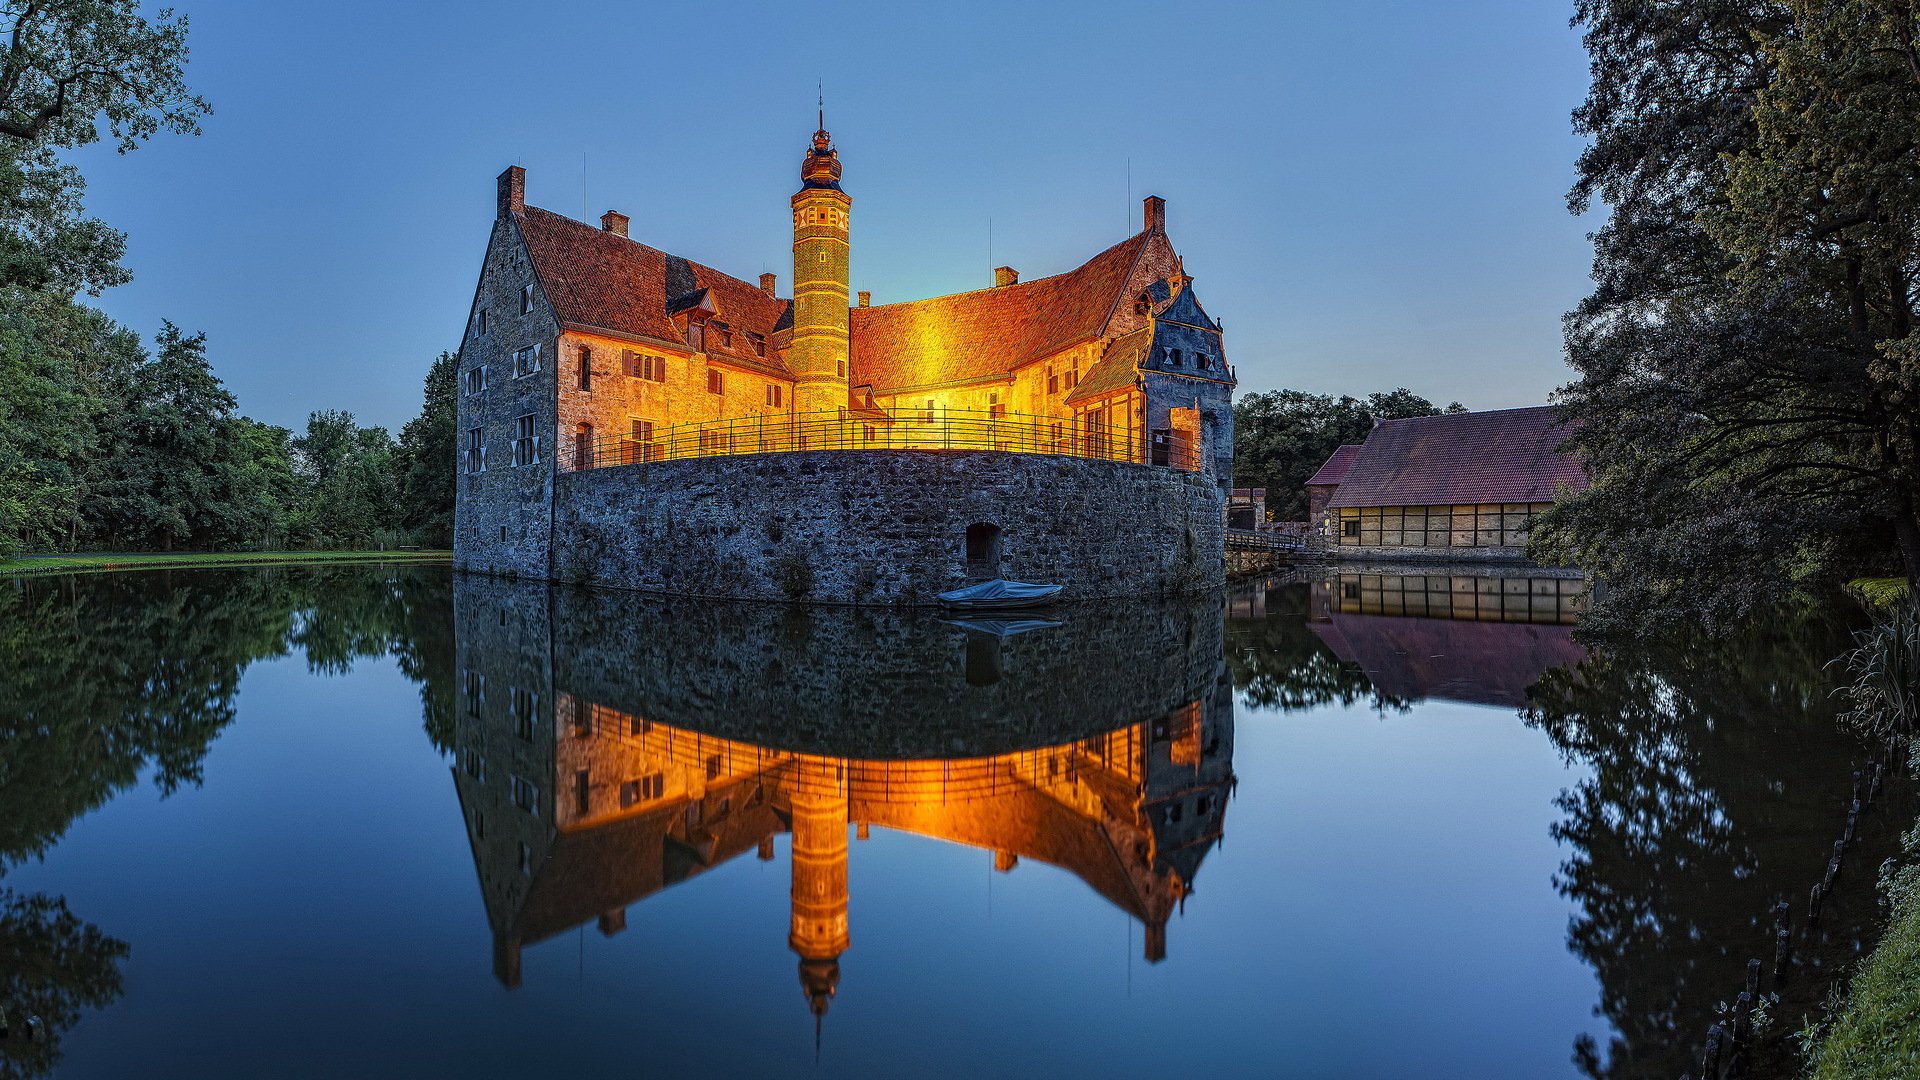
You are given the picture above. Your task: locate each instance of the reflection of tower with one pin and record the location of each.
(819, 879)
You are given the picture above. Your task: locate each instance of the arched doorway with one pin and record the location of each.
(983, 550)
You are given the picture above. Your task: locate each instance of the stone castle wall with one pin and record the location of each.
(886, 526)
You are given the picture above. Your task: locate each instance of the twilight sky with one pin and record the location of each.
(1368, 194)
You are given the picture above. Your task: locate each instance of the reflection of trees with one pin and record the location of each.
(1716, 788)
(1278, 662)
(52, 965)
(111, 674)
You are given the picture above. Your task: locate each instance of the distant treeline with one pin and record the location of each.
(1282, 437)
(107, 445)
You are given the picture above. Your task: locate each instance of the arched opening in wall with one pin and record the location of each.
(983, 550)
(583, 446)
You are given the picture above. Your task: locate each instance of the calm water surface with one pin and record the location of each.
(394, 822)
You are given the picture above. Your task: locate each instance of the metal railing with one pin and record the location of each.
(916, 429)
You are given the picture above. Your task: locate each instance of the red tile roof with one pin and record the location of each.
(987, 333)
(1504, 456)
(601, 281)
(1117, 369)
(1335, 470)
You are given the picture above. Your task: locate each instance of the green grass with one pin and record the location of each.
(81, 564)
(1878, 1033)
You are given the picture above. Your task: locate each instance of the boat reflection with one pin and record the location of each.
(608, 747)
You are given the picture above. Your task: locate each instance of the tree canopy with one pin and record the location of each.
(1282, 437)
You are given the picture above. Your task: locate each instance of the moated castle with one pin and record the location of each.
(634, 419)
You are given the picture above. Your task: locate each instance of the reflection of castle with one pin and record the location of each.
(1476, 638)
(576, 809)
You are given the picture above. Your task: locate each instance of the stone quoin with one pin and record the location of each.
(630, 418)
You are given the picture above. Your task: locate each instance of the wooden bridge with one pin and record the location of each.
(1252, 551)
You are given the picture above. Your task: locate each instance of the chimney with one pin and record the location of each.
(512, 191)
(615, 222)
(766, 284)
(866, 298)
(1156, 213)
(1004, 276)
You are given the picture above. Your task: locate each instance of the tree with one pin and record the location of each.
(426, 461)
(71, 70)
(1749, 395)
(1282, 437)
(347, 476)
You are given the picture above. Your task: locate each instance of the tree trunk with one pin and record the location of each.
(1906, 531)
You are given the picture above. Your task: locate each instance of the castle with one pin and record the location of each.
(631, 418)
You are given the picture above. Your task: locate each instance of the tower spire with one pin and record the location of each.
(820, 99)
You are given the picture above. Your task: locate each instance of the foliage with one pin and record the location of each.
(348, 472)
(1880, 592)
(1282, 437)
(1278, 662)
(1747, 396)
(426, 458)
(1873, 1036)
(1883, 668)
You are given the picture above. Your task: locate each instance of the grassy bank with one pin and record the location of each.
(1877, 1034)
(80, 564)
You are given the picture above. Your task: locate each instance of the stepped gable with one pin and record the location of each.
(1503, 456)
(602, 283)
(987, 333)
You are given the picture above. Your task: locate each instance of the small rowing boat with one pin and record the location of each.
(999, 595)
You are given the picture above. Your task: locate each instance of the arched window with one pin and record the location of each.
(583, 446)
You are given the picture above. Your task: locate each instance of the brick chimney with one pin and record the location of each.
(615, 222)
(512, 191)
(1004, 276)
(766, 284)
(1156, 213)
(866, 298)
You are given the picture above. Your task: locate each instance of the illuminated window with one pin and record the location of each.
(586, 369)
(476, 450)
(716, 382)
(773, 395)
(526, 444)
(526, 299)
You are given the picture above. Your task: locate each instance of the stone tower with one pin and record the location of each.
(819, 932)
(821, 212)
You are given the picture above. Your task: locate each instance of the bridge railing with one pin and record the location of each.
(914, 429)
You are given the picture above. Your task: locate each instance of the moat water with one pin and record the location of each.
(393, 822)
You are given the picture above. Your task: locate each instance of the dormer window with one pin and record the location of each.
(726, 338)
(759, 343)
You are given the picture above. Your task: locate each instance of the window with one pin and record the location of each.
(759, 344)
(476, 692)
(842, 368)
(526, 299)
(1173, 357)
(476, 379)
(1073, 379)
(715, 442)
(474, 763)
(479, 825)
(525, 704)
(476, 450)
(926, 414)
(995, 408)
(1350, 527)
(582, 792)
(480, 323)
(642, 366)
(525, 795)
(526, 445)
(697, 336)
(1202, 361)
(640, 438)
(586, 369)
(773, 395)
(716, 381)
(526, 361)
(629, 793)
(583, 448)
(582, 719)
(713, 766)
(1053, 381)
(726, 338)
(867, 431)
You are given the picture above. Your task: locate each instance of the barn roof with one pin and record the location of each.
(989, 332)
(600, 281)
(1503, 456)
(1335, 469)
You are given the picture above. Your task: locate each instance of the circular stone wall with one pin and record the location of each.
(887, 526)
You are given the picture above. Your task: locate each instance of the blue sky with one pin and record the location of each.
(1368, 195)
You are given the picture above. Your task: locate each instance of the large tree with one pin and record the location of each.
(427, 459)
(1747, 398)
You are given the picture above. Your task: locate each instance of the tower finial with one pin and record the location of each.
(820, 99)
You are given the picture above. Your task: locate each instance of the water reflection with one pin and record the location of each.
(610, 746)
